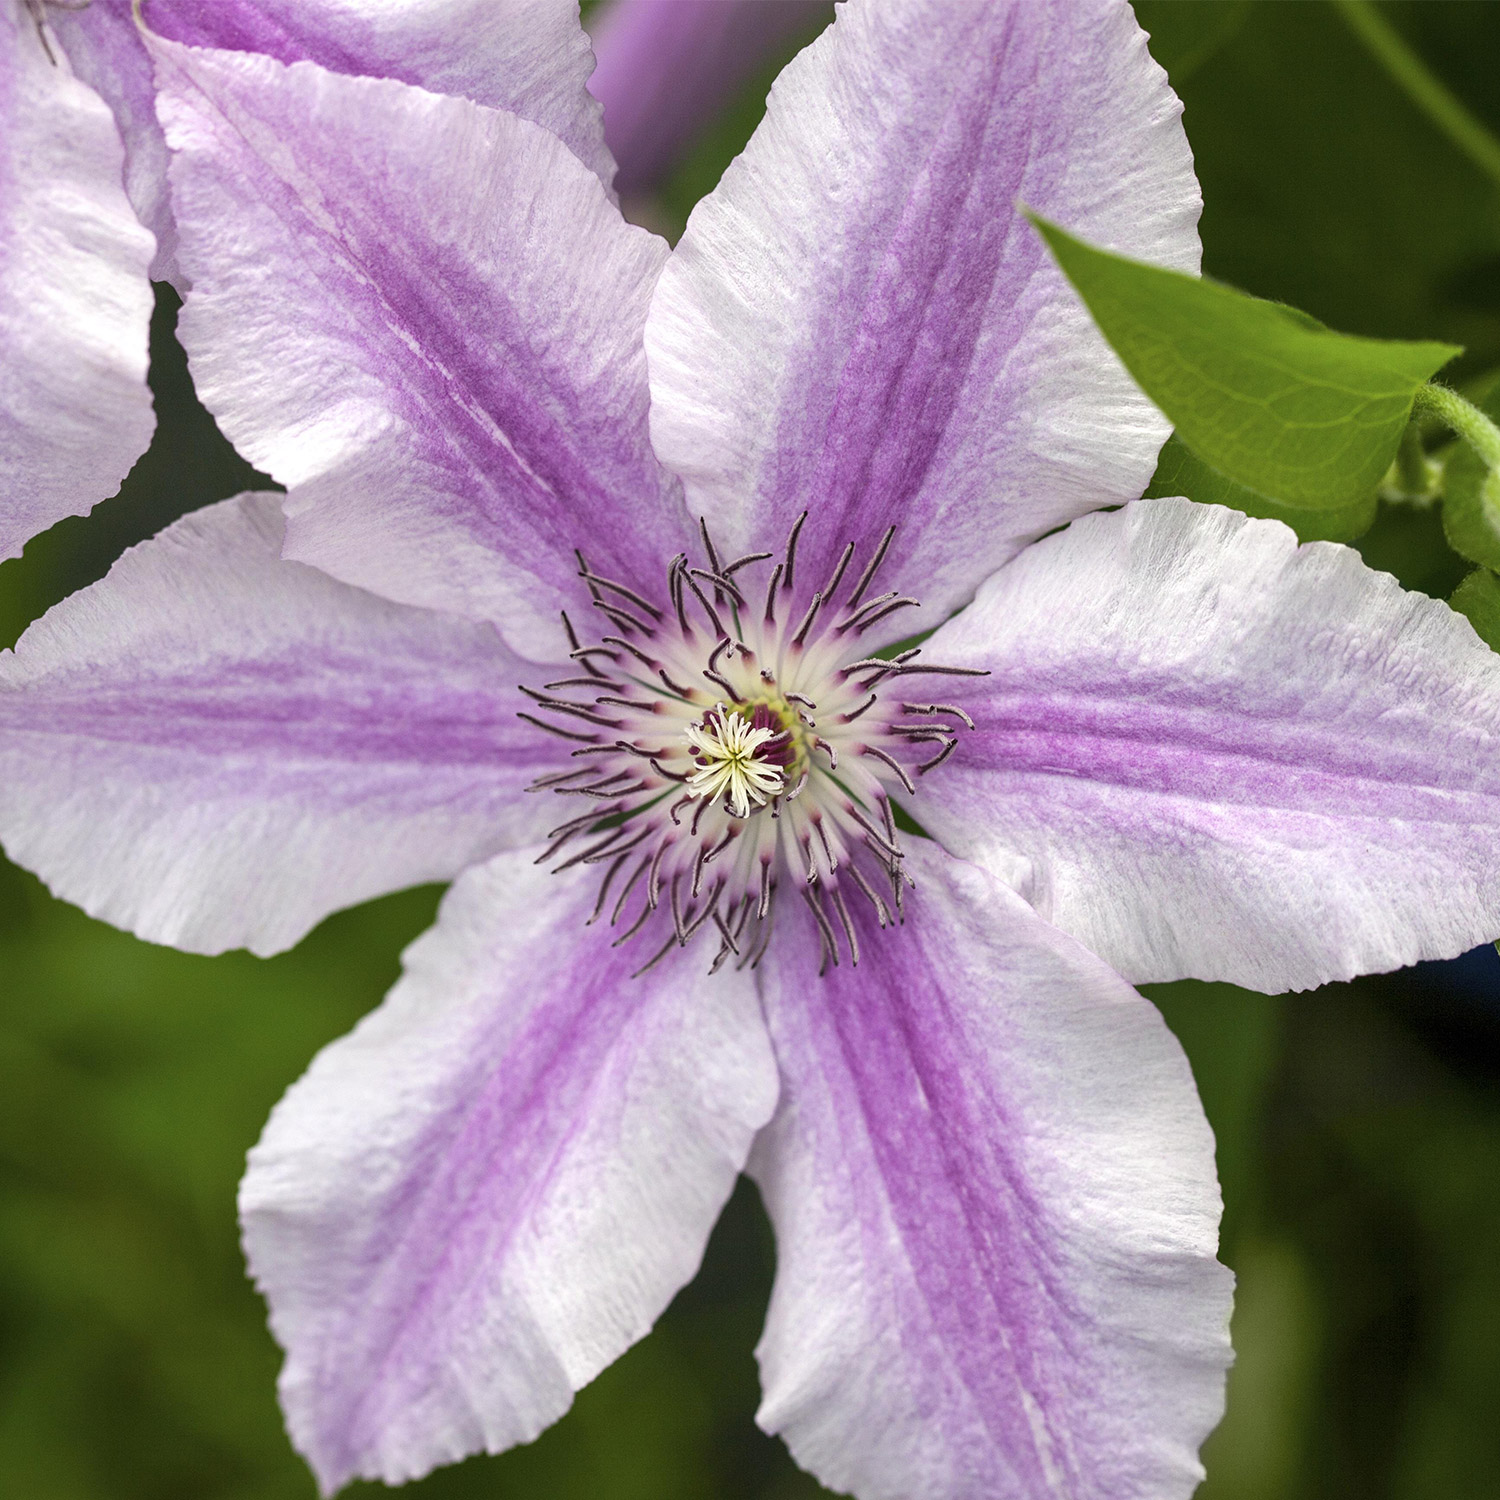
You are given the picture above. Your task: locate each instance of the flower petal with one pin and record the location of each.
(528, 56)
(995, 1209)
(486, 1193)
(859, 323)
(75, 304)
(1208, 751)
(215, 748)
(424, 317)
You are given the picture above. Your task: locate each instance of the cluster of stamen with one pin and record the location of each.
(734, 749)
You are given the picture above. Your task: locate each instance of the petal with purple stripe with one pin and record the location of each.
(993, 1193)
(528, 56)
(493, 1186)
(424, 318)
(858, 321)
(215, 748)
(1204, 750)
(75, 304)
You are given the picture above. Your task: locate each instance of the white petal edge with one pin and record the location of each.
(493, 1186)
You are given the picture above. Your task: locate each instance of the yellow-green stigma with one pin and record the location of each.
(728, 749)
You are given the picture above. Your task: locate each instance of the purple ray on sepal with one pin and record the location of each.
(215, 748)
(866, 329)
(426, 322)
(1206, 751)
(493, 1186)
(995, 1207)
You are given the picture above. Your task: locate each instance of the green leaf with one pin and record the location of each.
(1179, 471)
(1470, 521)
(1478, 597)
(1263, 395)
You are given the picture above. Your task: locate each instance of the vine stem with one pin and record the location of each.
(1422, 86)
(1463, 418)
(1414, 479)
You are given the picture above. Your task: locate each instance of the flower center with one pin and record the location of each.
(734, 749)
(737, 757)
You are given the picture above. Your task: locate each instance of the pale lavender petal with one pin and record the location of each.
(1207, 751)
(215, 748)
(424, 317)
(993, 1193)
(528, 56)
(667, 67)
(104, 46)
(75, 304)
(471, 1205)
(858, 321)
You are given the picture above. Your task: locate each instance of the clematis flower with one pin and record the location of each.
(83, 169)
(589, 592)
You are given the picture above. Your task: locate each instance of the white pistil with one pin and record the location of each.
(727, 743)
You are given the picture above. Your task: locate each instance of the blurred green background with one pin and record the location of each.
(1358, 1127)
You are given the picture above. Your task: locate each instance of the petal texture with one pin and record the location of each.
(529, 56)
(859, 323)
(995, 1209)
(75, 304)
(483, 1195)
(215, 748)
(1219, 754)
(424, 317)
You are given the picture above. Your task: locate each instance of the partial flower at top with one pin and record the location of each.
(589, 592)
(79, 137)
(666, 68)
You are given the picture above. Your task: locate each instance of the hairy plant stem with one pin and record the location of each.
(1473, 427)
(1462, 418)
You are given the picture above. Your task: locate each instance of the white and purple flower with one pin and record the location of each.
(693, 502)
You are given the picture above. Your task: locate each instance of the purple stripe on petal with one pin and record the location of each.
(75, 304)
(995, 1209)
(216, 748)
(476, 1201)
(424, 318)
(1206, 751)
(859, 323)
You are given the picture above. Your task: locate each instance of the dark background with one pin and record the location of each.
(1358, 1126)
